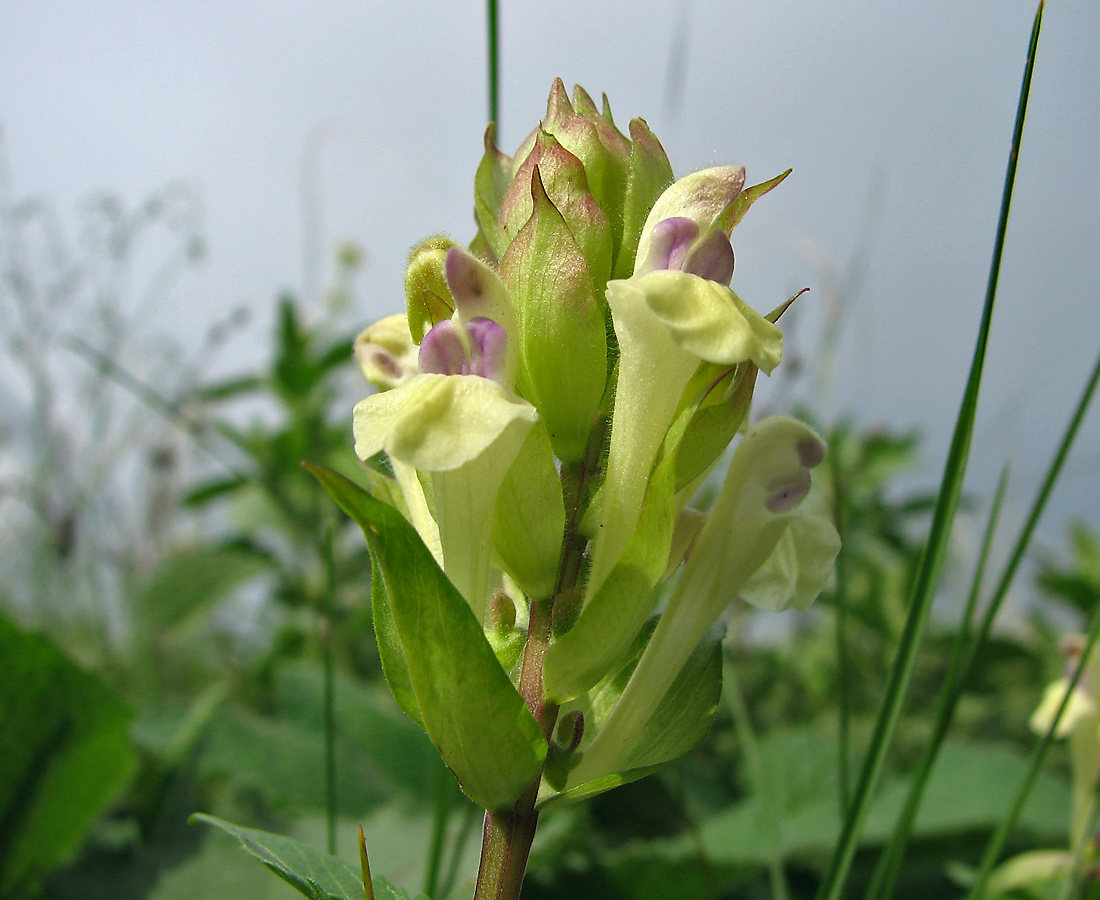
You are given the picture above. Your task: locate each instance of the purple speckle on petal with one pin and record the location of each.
(785, 497)
(442, 351)
(711, 258)
(488, 348)
(670, 242)
(482, 350)
(811, 451)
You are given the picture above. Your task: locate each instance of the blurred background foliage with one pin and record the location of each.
(182, 613)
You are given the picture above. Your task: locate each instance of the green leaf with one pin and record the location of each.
(191, 581)
(213, 490)
(313, 874)
(924, 585)
(65, 755)
(393, 747)
(799, 770)
(394, 666)
(224, 390)
(279, 759)
(473, 714)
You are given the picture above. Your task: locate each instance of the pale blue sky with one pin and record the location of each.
(895, 117)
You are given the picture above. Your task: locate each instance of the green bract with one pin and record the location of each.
(549, 402)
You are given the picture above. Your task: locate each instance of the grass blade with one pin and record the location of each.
(958, 673)
(889, 864)
(840, 626)
(936, 546)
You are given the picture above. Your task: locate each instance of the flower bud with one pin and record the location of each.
(428, 299)
(604, 153)
(386, 352)
(563, 365)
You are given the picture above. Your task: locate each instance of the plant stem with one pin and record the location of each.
(439, 832)
(494, 62)
(1085, 841)
(1004, 829)
(506, 842)
(330, 692)
(889, 864)
(840, 624)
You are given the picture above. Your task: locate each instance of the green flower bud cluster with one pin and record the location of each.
(549, 403)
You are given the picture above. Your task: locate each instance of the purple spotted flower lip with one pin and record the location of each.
(478, 349)
(786, 495)
(676, 245)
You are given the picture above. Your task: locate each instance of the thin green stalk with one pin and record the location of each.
(439, 831)
(889, 864)
(997, 842)
(494, 63)
(840, 596)
(157, 402)
(467, 827)
(329, 684)
(507, 837)
(1085, 840)
(1030, 524)
(746, 737)
(936, 547)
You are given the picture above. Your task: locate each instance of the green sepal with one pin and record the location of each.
(565, 182)
(615, 177)
(736, 210)
(563, 366)
(611, 620)
(713, 426)
(594, 142)
(470, 709)
(494, 172)
(428, 300)
(680, 722)
(649, 174)
(313, 874)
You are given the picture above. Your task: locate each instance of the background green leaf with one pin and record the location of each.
(65, 755)
(314, 874)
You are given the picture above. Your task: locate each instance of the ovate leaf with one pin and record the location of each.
(470, 709)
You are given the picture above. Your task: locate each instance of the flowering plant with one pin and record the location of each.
(544, 595)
